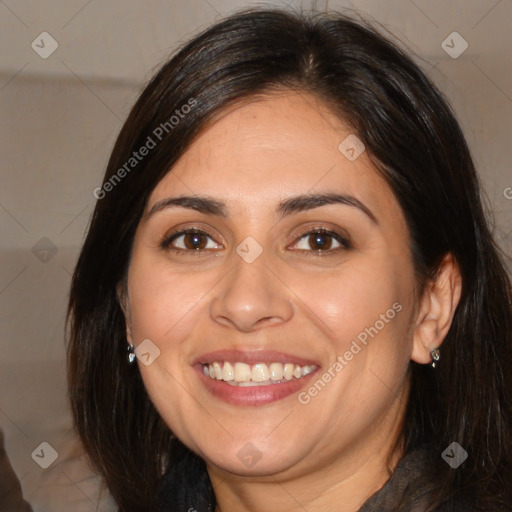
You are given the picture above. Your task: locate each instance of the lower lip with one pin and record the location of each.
(252, 395)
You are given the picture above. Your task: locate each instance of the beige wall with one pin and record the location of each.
(59, 119)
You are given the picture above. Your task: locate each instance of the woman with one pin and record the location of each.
(288, 296)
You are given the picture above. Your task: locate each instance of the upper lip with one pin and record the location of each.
(252, 357)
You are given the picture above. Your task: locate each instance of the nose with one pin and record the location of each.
(251, 296)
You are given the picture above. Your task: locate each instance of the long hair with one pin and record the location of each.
(415, 142)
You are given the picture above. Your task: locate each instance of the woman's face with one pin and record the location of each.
(261, 294)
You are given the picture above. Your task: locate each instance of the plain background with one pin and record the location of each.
(59, 120)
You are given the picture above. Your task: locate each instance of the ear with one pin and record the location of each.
(437, 307)
(124, 302)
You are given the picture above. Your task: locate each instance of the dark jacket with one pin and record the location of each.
(187, 488)
(11, 499)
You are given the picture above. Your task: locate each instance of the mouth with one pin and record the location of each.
(253, 378)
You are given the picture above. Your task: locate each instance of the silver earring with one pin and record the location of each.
(436, 354)
(131, 353)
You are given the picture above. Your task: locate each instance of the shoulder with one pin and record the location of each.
(410, 489)
(468, 504)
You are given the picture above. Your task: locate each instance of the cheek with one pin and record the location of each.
(163, 302)
(365, 319)
(356, 303)
(165, 307)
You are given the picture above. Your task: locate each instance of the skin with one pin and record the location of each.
(336, 448)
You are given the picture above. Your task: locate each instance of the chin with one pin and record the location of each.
(253, 463)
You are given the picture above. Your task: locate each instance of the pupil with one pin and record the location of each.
(320, 240)
(195, 241)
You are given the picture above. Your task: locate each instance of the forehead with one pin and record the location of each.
(285, 144)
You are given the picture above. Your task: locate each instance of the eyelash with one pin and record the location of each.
(345, 244)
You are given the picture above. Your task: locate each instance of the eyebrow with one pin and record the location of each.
(289, 206)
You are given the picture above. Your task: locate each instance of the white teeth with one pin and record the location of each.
(288, 371)
(218, 371)
(227, 372)
(276, 371)
(259, 374)
(306, 370)
(242, 372)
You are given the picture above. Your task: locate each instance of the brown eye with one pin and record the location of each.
(194, 241)
(322, 240)
(189, 240)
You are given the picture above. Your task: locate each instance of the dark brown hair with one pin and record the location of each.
(417, 145)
